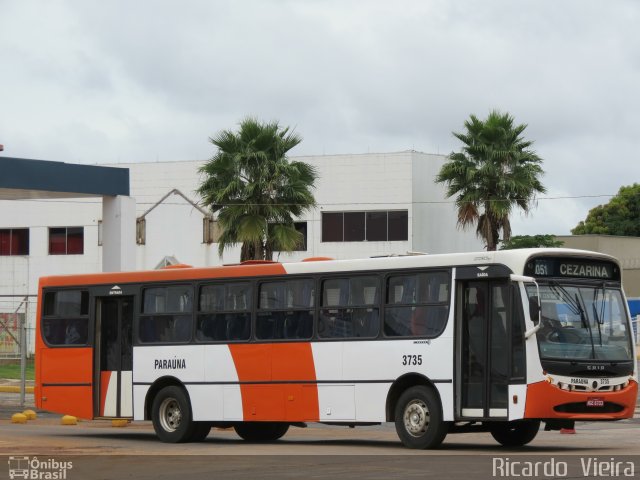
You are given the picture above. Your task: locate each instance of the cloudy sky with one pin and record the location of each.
(91, 81)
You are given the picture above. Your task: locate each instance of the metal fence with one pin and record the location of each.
(17, 332)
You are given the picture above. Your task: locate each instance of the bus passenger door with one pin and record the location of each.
(113, 396)
(483, 353)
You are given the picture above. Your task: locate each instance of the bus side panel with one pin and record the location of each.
(373, 366)
(284, 368)
(66, 380)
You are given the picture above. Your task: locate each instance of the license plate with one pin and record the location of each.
(595, 402)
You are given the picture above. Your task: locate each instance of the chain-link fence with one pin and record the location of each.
(17, 333)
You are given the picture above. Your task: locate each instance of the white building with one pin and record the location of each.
(367, 205)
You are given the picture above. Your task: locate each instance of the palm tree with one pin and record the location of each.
(256, 190)
(495, 172)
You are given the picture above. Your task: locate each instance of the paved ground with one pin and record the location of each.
(97, 450)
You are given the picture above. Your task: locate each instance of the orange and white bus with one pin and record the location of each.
(489, 341)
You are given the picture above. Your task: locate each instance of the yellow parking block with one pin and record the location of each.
(18, 418)
(119, 422)
(14, 389)
(30, 414)
(69, 420)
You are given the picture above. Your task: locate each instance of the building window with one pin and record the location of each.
(141, 231)
(373, 226)
(301, 227)
(66, 241)
(14, 241)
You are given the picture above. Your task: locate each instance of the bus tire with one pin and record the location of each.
(200, 432)
(516, 433)
(418, 417)
(261, 431)
(171, 416)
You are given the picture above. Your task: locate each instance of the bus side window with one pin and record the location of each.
(224, 312)
(285, 310)
(166, 314)
(350, 307)
(417, 305)
(65, 318)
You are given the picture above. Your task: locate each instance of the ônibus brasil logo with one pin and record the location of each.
(33, 468)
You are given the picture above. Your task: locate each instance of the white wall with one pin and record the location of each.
(435, 217)
(385, 181)
(357, 183)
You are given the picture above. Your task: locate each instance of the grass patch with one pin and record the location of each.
(12, 369)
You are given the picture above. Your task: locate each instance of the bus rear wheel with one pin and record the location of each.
(171, 416)
(261, 431)
(418, 417)
(516, 433)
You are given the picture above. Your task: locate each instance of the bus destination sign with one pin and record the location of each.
(574, 268)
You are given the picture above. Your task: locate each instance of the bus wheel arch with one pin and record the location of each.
(415, 406)
(155, 388)
(400, 385)
(169, 406)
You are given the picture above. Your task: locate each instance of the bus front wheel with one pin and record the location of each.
(418, 417)
(171, 416)
(516, 433)
(261, 431)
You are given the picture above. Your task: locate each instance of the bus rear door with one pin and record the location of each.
(113, 396)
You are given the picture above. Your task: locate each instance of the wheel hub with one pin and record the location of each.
(416, 418)
(170, 415)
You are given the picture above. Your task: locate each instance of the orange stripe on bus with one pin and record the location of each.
(293, 400)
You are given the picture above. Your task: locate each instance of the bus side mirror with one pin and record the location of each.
(534, 309)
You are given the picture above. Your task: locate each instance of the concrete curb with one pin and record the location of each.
(14, 389)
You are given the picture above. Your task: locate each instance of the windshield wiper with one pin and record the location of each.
(599, 317)
(583, 317)
(565, 295)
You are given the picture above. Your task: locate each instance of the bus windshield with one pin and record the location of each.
(582, 322)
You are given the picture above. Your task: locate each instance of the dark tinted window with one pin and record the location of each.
(166, 314)
(285, 309)
(14, 241)
(350, 307)
(376, 226)
(372, 226)
(332, 227)
(354, 226)
(66, 241)
(224, 312)
(173, 299)
(398, 225)
(65, 317)
(417, 305)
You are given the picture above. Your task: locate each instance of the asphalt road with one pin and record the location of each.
(97, 450)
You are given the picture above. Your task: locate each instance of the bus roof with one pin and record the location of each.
(513, 259)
